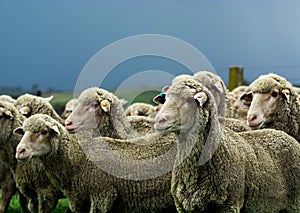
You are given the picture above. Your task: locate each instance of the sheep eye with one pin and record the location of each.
(44, 132)
(274, 94)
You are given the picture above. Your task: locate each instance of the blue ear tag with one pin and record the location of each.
(162, 95)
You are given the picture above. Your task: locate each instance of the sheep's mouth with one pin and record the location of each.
(257, 126)
(24, 158)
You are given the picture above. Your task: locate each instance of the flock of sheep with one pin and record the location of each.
(232, 151)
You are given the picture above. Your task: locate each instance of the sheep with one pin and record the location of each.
(70, 105)
(7, 98)
(29, 105)
(30, 177)
(275, 105)
(95, 189)
(141, 109)
(8, 186)
(219, 170)
(101, 110)
(215, 84)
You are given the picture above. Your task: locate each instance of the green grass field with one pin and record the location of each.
(14, 206)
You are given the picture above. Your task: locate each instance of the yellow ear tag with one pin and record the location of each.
(105, 106)
(286, 94)
(8, 113)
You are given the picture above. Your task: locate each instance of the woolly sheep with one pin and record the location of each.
(215, 85)
(95, 190)
(141, 109)
(7, 98)
(219, 170)
(9, 189)
(275, 105)
(29, 105)
(101, 110)
(30, 177)
(70, 105)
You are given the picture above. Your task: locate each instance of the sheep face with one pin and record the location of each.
(70, 105)
(263, 107)
(36, 139)
(179, 110)
(84, 116)
(243, 102)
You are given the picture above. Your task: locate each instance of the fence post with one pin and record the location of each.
(235, 77)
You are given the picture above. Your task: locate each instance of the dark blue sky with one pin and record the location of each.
(49, 42)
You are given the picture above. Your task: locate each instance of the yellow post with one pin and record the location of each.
(235, 77)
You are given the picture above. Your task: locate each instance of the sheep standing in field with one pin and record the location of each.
(140, 109)
(70, 105)
(29, 105)
(102, 111)
(95, 190)
(275, 105)
(9, 189)
(218, 170)
(30, 177)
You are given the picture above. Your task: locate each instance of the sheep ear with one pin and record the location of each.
(201, 97)
(286, 94)
(165, 89)
(160, 99)
(6, 113)
(26, 111)
(19, 131)
(247, 97)
(105, 105)
(54, 129)
(49, 98)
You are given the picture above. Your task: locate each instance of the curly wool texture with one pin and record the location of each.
(287, 115)
(93, 189)
(30, 177)
(257, 171)
(114, 124)
(37, 105)
(141, 109)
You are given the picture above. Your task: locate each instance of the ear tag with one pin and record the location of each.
(286, 93)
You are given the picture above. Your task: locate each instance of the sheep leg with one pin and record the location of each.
(23, 202)
(7, 194)
(104, 202)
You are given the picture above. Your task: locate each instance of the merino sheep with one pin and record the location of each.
(215, 85)
(70, 105)
(140, 109)
(94, 189)
(101, 110)
(30, 177)
(9, 188)
(7, 98)
(29, 105)
(219, 170)
(275, 105)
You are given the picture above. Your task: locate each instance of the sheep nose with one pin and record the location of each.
(20, 152)
(252, 118)
(160, 121)
(68, 122)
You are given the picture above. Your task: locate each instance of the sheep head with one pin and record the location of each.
(181, 102)
(37, 132)
(93, 104)
(24, 103)
(269, 91)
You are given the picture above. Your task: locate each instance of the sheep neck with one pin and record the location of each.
(289, 119)
(65, 158)
(115, 124)
(187, 171)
